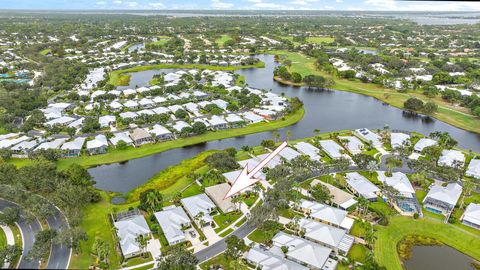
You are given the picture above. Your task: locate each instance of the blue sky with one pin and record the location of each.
(391, 5)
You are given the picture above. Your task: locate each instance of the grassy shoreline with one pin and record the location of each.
(121, 78)
(115, 156)
(385, 248)
(305, 66)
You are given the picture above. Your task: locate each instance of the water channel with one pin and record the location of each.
(326, 110)
(438, 258)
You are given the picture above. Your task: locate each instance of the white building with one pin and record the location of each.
(399, 139)
(326, 235)
(98, 145)
(199, 204)
(326, 214)
(332, 149)
(451, 157)
(362, 186)
(173, 220)
(442, 200)
(471, 216)
(473, 169)
(353, 144)
(308, 149)
(368, 136)
(128, 230)
(265, 259)
(423, 143)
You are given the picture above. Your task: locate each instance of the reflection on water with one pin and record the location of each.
(326, 110)
(438, 258)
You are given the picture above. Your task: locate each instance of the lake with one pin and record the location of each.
(326, 110)
(438, 258)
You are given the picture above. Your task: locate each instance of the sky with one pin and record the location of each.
(390, 5)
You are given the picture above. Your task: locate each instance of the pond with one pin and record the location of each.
(326, 110)
(438, 258)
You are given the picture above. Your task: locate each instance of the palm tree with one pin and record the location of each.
(142, 243)
(153, 199)
(237, 200)
(199, 218)
(363, 205)
(257, 188)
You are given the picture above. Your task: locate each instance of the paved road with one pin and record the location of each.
(60, 254)
(29, 230)
(220, 246)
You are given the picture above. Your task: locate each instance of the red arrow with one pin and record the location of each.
(245, 179)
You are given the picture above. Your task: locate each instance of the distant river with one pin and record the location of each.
(324, 110)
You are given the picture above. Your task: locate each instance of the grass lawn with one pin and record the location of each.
(382, 207)
(220, 260)
(115, 155)
(320, 40)
(357, 229)
(161, 40)
(45, 51)
(3, 239)
(222, 39)
(139, 260)
(240, 223)
(249, 199)
(420, 194)
(192, 190)
(122, 78)
(96, 224)
(226, 232)
(224, 220)
(399, 227)
(451, 115)
(263, 236)
(358, 253)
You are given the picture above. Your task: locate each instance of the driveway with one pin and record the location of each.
(210, 234)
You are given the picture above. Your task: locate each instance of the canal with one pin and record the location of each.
(438, 258)
(326, 110)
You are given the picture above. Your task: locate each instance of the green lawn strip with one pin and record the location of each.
(382, 207)
(192, 190)
(240, 223)
(3, 239)
(45, 51)
(115, 155)
(357, 229)
(320, 40)
(139, 260)
(96, 224)
(420, 194)
(388, 237)
(122, 78)
(306, 65)
(224, 220)
(223, 38)
(262, 236)
(358, 253)
(219, 260)
(226, 232)
(145, 267)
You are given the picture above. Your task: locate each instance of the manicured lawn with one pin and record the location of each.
(263, 236)
(121, 78)
(358, 253)
(161, 40)
(192, 190)
(3, 239)
(382, 207)
(220, 260)
(139, 260)
(319, 40)
(249, 199)
(97, 225)
(115, 155)
(224, 220)
(385, 249)
(222, 39)
(226, 232)
(240, 223)
(357, 229)
(420, 194)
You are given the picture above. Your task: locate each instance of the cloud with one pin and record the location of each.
(339, 1)
(131, 4)
(118, 2)
(156, 5)
(393, 5)
(217, 4)
(100, 3)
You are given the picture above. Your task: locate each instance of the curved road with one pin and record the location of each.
(28, 230)
(246, 229)
(59, 254)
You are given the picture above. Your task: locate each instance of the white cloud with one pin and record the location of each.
(339, 1)
(393, 5)
(100, 3)
(118, 2)
(217, 4)
(131, 4)
(156, 5)
(329, 7)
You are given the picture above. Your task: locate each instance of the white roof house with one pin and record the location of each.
(217, 121)
(76, 144)
(252, 117)
(128, 230)
(98, 142)
(332, 149)
(354, 145)
(24, 146)
(361, 186)
(131, 104)
(399, 181)
(442, 199)
(121, 136)
(127, 115)
(471, 216)
(55, 144)
(161, 110)
(368, 136)
(423, 143)
(199, 204)
(399, 139)
(331, 215)
(450, 157)
(288, 153)
(172, 219)
(268, 260)
(473, 169)
(233, 118)
(272, 163)
(220, 103)
(306, 252)
(10, 142)
(106, 120)
(62, 120)
(308, 149)
(326, 235)
(339, 197)
(179, 125)
(159, 130)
